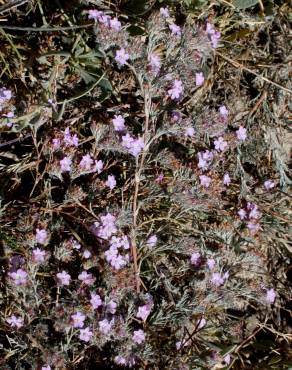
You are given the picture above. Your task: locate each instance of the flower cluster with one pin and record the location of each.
(251, 214)
(105, 20)
(134, 146)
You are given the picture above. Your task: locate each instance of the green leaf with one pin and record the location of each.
(244, 4)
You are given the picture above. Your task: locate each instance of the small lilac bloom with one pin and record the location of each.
(111, 182)
(155, 63)
(226, 179)
(85, 334)
(105, 326)
(15, 321)
(176, 116)
(64, 278)
(254, 212)
(86, 254)
(127, 141)
(119, 123)
(95, 301)
(121, 56)
(227, 359)
(137, 146)
(164, 12)
(94, 14)
(190, 131)
(19, 277)
(47, 367)
(70, 140)
(56, 143)
(201, 323)
(199, 79)
(5, 95)
(176, 90)
(38, 255)
(269, 184)
(216, 279)
(205, 181)
(152, 241)
(215, 37)
(138, 336)
(270, 296)
(220, 144)
(118, 262)
(120, 360)
(66, 164)
(125, 242)
(86, 278)
(115, 24)
(86, 162)
(41, 236)
(195, 259)
(175, 29)
(98, 166)
(223, 111)
(241, 134)
(242, 214)
(143, 312)
(111, 307)
(211, 263)
(78, 320)
(253, 227)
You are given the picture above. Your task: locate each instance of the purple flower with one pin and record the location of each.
(223, 111)
(105, 326)
(85, 334)
(226, 179)
(115, 24)
(164, 12)
(241, 134)
(205, 181)
(211, 263)
(121, 56)
(216, 279)
(78, 320)
(154, 63)
(137, 146)
(56, 143)
(195, 259)
(227, 359)
(98, 166)
(86, 278)
(190, 131)
(270, 296)
(120, 360)
(254, 212)
(175, 29)
(176, 116)
(95, 301)
(119, 123)
(19, 277)
(38, 255)
(111, 182)
(138, 336)
(199, 79)
(94, 14)
(41, 236)
(47, 367)
(152, 241)
(70, 140)
(63, 278)
(15, 321)
(86, 162)
(269, 184)
(86, 254)
(5, 95)
(111, 307)
(108, 228)
(176, 90)
(127, 141)
(118, 262)
(242, 214)
(201, 323)
(66, 164)
(220, 144)
(205, 158)
(143, 312)
(215, 37)
(253, 227)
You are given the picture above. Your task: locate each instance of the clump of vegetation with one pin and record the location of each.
(145, 187)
